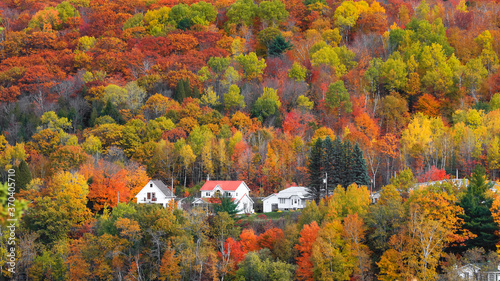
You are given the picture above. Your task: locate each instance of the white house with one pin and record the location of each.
(470, 272)
(292, 198)
(155, 192)
(237, 190)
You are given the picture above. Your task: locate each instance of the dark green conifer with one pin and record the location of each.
(315, 171)
(359, 167)
(477, 215)
(23, 175)
(180, 92)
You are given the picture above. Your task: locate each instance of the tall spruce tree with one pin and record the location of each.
(336, 178)
(187, 88)
(315, 171)
(477, 215)
(359, 169)
(328, 164)
(180, 92)
(346, 164)
(196, 93)
(23, 175)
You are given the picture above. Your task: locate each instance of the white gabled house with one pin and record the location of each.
(238, 191)
(292, 198)
(155, 192)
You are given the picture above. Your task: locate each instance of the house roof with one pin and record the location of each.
(224, 185)
(293, 190)
(163, 188)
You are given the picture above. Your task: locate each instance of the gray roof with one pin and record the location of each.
(167, 191)
(299, 191)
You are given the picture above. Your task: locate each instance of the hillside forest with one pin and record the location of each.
(97, 97)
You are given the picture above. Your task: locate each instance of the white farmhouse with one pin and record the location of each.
(237, 190)
(292, 198)
(155, 192)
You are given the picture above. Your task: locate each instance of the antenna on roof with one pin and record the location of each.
(208, 177)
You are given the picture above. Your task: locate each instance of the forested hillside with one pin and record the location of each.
(97, 97)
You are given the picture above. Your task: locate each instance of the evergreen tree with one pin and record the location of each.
(93, 115)
(180, 92)
(279, 45)
(315, 171)
(360, 172)
(346, 164)
(196, 93)
(477, 215)
(329, 164)
(187, 88)
(111, 110)
(226, 205)
(23, 175)
(336, 153)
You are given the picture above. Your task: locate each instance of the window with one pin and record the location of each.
(149, 195)
(295, 201)
(153, 195)
(282, 200)
(150, 185)
(208, 193)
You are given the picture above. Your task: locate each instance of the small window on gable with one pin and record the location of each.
(150, 185)
(236, 193)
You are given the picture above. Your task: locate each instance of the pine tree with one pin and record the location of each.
(336, 154)
(196, 93)
(279, 45)
(23, 175)
(187, 88)
(111, 110)
(347, 164)
(93, 115)
(477, 215)
(180, 92)
(328, 163)
(359, 167)
(315, 171)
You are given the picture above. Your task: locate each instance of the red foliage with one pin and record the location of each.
(433, 174)
(174, 134)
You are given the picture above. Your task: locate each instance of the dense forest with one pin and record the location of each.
(97, 97)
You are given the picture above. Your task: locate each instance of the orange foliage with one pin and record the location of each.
(308, 236)
(428, 105)
(270, 238)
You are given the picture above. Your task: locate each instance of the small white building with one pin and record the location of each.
(292, 198)
(238, 191)
(155, 192)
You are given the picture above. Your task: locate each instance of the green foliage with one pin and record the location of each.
(267, 104)
(23, 175)
(258, 266)
(251, 65)
(404, 181)
(304, 103)
(226, 205)
(477, 215)
(233, 98)
(135, 21)
(272, 11)
(279, 45)
(202, 13)
(242, 12)
(495, 102)
(338, 98)
(297, 73)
